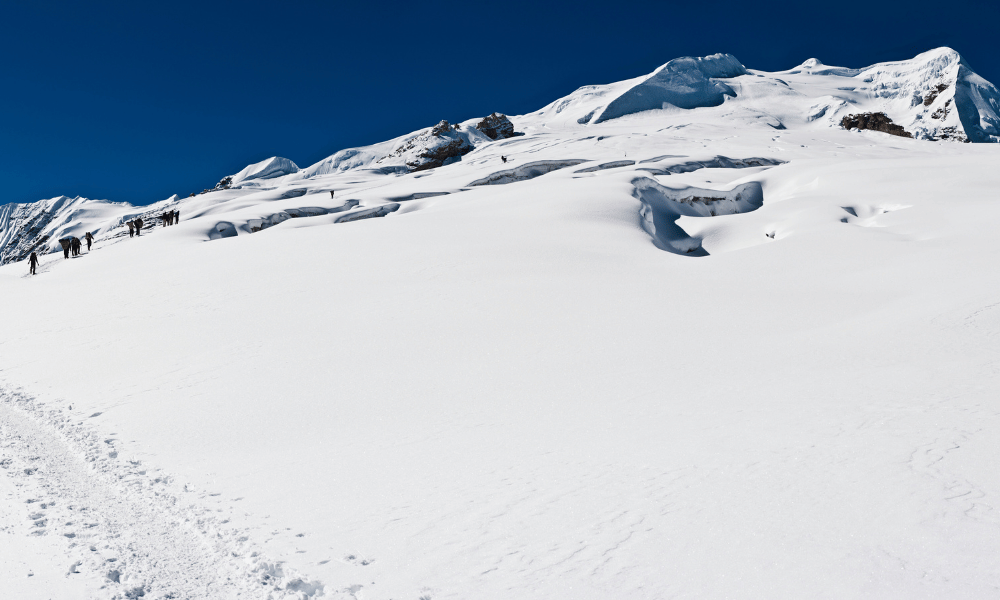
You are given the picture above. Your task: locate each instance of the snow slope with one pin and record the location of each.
(38, 226)
(265, 169)
(726, 351)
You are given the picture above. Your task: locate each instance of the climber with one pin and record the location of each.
(65, 242)
(131, 228)
(503, 158)
(75, 245)
(138, 226)
(90, 240)
(33, 262)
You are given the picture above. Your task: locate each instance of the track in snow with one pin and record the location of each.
(132, 530)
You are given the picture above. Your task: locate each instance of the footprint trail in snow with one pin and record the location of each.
(130, 532)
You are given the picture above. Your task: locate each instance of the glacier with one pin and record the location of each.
(687, 336)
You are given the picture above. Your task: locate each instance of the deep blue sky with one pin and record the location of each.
(134, 101)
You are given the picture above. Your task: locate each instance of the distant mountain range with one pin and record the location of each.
(934, 97)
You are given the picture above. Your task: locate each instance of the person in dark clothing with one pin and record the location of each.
(177, 216)
(138, 226)
(90, 240)
(131, 228)
(65, 242)
(33, 262)
(75, 245)
(504, 159)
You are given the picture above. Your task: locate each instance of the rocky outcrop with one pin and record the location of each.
(933, 94)
(434, 148)
(496, 127)
(941, 113)
(224, 183)
(876, 122)
(953, 134)
(437, 156)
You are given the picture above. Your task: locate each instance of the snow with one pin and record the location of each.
(978, 104)
(682, 82)
(270, 168)
(39, 226)
(514, 391)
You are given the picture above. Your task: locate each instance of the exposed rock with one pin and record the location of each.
(942, 112)
(876, 122)
(952, 133)
(441, 128)
(933, 94)
(224, 183)
(435, 156)
(431, 148)
(496, 127)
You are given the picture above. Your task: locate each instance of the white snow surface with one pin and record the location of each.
(730, 351)
(270, 168)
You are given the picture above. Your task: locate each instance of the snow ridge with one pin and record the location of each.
(38, 226)
(683, 82)
(270, 168)
(933, 96)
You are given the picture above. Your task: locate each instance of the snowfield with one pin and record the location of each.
(728, 350)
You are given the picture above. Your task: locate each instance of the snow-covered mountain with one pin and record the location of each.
(706, 333)
(38, 226)
(934, 96)
(270, 168)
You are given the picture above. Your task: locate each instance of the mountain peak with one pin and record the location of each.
(269, 168)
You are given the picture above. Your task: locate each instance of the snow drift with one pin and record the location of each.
(683, 82)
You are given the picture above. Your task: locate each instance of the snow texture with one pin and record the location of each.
(726, 351)
(682, 82)
(266, 169)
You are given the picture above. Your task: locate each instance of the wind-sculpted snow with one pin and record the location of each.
(661, 207)
(418, 196)
(977, 102)
(683, 82)
(609, 165)
(259, 224)
(344, 160)
(270, 168)
(719, 162)
(428, 148)
(553, 416)
(814, 66)
(526, 171)
(369, 213)
(225, 229)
